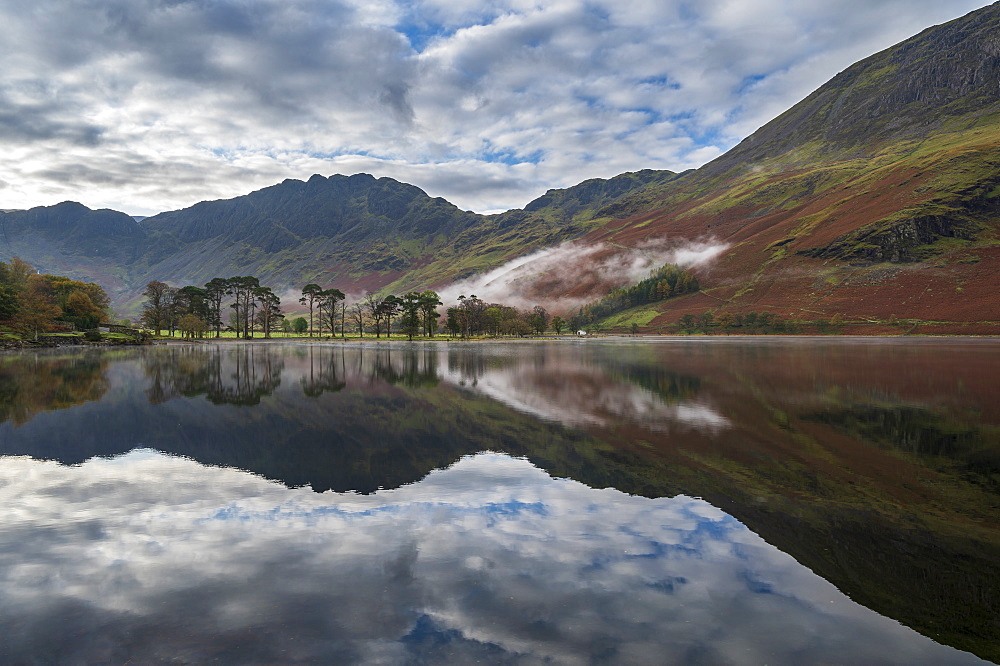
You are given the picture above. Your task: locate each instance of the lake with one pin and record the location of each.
(618, 501)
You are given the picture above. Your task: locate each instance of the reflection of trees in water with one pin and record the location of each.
(471, 367)
(553, 367)
(669, 385)
(920, 431)
(326, 371)
(409, 367)
(329, 367)
(578, 386)
(31, 384)
(234, 375)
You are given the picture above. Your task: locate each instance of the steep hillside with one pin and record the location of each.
(877, 198)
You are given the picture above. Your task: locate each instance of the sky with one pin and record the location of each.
(151, 105)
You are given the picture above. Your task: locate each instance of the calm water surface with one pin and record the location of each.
(621, 502)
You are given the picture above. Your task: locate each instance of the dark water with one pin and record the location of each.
(654, 502)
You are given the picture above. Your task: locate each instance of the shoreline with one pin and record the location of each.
(598, 338)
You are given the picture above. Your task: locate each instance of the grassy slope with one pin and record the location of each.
(776, 222)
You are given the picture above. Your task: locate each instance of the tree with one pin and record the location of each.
(83, 303)
(388, 309)
(154, 313)
(192, 326)
(8, 302)
(37, 304)
(687, 323)
(429, 301)
(300, 325)
(726, 322)
(359, 316)
(381, 309)
(193, 300)
(558, 324)
(343, 318)
(453, 322)
(269, 309)
(17, 273)
(172, 308)
(373, 305)
(472, 313)
(244, 306)
(539, 319)
(81, 310)
(215, 291)
(328, 312)
(311, 295)
(411, 304)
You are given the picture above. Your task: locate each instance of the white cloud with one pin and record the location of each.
(547, 276)
(146, 105)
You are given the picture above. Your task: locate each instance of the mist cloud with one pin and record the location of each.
(571, 274)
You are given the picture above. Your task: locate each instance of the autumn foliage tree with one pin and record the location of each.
(36, 305)
(33, 302)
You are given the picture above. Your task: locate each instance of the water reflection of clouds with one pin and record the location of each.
(148, 557)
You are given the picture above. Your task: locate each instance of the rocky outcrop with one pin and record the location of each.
(899, 242)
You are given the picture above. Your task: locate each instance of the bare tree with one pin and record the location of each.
(359, 316)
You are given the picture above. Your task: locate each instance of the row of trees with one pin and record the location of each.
(415, 313)
(196, 310)
(754, 323)
(474, 316)
(34, 302)
(666, 282)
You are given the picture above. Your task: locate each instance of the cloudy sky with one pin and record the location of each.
(150, 105)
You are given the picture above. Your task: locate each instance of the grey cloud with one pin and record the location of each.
(295, 58)
(43, 119)
(27, 124)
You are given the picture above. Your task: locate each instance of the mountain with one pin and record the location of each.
(877, 197)
(875, 201)
(356, 232)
